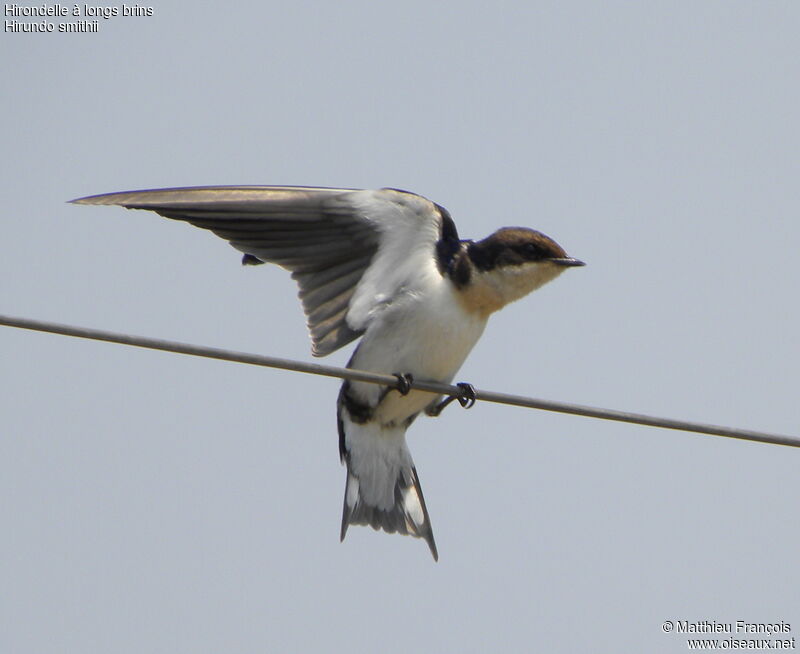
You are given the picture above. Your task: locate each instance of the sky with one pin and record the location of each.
(156, 502)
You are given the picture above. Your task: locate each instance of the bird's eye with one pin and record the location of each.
(532, 250)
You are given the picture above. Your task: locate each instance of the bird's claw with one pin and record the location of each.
(468, 395)
(466, 398)
(404, 383)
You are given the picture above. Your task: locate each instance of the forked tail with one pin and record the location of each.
(383, 489)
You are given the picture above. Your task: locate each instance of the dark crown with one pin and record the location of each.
(513, 246)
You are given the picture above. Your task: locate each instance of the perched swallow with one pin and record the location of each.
(387, 266)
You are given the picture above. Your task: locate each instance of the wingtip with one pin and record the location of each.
(104, 198)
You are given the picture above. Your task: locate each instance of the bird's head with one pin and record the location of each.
(511, 263)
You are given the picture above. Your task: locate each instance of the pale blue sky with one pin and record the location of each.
(159, 503)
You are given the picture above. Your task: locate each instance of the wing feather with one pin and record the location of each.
(349, 251)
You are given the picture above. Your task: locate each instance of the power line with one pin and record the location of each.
(391, 380)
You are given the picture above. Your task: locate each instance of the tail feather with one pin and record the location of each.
(408, 514)
(382, 489)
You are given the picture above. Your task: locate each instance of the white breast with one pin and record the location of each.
(426, 332)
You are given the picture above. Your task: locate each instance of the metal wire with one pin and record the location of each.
(390, 380)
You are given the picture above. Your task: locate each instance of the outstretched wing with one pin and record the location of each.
(350, 251)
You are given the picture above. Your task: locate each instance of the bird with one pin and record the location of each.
(387, 267)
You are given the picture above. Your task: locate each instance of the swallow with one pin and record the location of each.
(386, 266)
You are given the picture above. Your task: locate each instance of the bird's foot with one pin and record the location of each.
(466, 398)
(404, 383)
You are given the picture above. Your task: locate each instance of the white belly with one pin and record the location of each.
(427, 336)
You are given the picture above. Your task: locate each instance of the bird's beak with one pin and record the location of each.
(568, 261)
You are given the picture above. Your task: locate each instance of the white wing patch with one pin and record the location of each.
(409, 227)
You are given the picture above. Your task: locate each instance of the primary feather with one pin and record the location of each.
(347, 249)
